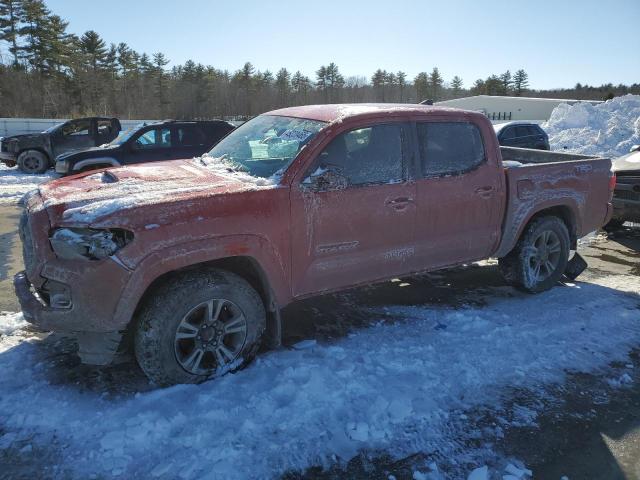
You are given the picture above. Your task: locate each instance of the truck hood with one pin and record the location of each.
(90, 198)
(628, 162)
(24, 136)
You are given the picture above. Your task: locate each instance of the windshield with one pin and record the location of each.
(264, 146)
(125, 135)
(53, 127)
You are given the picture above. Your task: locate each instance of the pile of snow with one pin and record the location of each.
(608, 129)
(14, 184)
(393, 386)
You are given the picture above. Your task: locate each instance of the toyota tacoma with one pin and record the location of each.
(190, 261)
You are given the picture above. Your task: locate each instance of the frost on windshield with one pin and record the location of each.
(263, 147)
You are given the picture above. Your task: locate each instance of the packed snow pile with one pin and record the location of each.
(608, 129)
(394, 386)
(14, 184)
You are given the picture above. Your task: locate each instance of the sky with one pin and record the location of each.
(558, 43)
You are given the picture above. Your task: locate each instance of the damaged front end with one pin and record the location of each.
(73, 281)
(87, 243)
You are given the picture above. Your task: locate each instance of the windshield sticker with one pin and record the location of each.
(297, 134)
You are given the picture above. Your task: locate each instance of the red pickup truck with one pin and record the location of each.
(193, 259)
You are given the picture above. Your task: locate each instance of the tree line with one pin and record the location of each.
(48, 72)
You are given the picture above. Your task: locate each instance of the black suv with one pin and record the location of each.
(522, 135)
(35, 152)
(166, 140)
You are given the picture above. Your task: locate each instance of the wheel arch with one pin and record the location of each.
(42, 150)
(566, 212)
(245, 266)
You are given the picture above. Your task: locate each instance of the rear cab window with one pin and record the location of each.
(449, 148)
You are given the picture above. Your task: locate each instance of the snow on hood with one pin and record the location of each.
(85, 198)
(607, 129)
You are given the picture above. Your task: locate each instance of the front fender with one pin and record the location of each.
(187, 254)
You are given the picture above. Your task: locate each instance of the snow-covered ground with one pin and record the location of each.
(399, 386)
(14, 184)
(609, 129)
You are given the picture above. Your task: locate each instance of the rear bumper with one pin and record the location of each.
(626, 210)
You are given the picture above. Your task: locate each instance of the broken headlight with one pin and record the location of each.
(87, 243)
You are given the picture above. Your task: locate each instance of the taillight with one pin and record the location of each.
(612, 184)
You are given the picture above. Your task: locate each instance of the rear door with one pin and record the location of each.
(362, 230)
(191, 140)
(151, 144)
(460, 195)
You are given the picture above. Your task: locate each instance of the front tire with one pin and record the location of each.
(540, 257)
(33, 161)
(198, 326)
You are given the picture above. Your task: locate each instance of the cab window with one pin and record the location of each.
(190, 136)
(367, 155)
(154, 138)
(449, 148)
(77, 128)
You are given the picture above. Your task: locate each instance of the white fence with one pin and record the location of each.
(17, 126)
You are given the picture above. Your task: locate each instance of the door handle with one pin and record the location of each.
(485, 192)
(399, 203)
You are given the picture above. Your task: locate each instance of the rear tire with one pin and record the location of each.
(197, 326)
(540, 257)
(33, 161)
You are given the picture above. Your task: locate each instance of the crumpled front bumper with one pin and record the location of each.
(8, 158)
(94, 347)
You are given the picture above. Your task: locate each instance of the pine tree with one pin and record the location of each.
(159, 62)
(436, 81)
(520, 82)
(334, 82)
(34, 31)
(478, 87)
(94, 49)
(402, 84)
(283, 86)
(421, 84)
(11, 15)
(456, 86)
(506, 81)
(378, 80)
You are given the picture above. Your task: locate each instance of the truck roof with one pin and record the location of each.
(341, 111)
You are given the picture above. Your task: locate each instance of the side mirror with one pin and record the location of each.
(635, 148)
(326, 178)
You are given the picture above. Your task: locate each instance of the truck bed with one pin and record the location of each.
(574, 185)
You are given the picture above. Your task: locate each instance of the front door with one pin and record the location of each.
(151, 145)
(361, 227)
(74, 135)
(460, 195)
